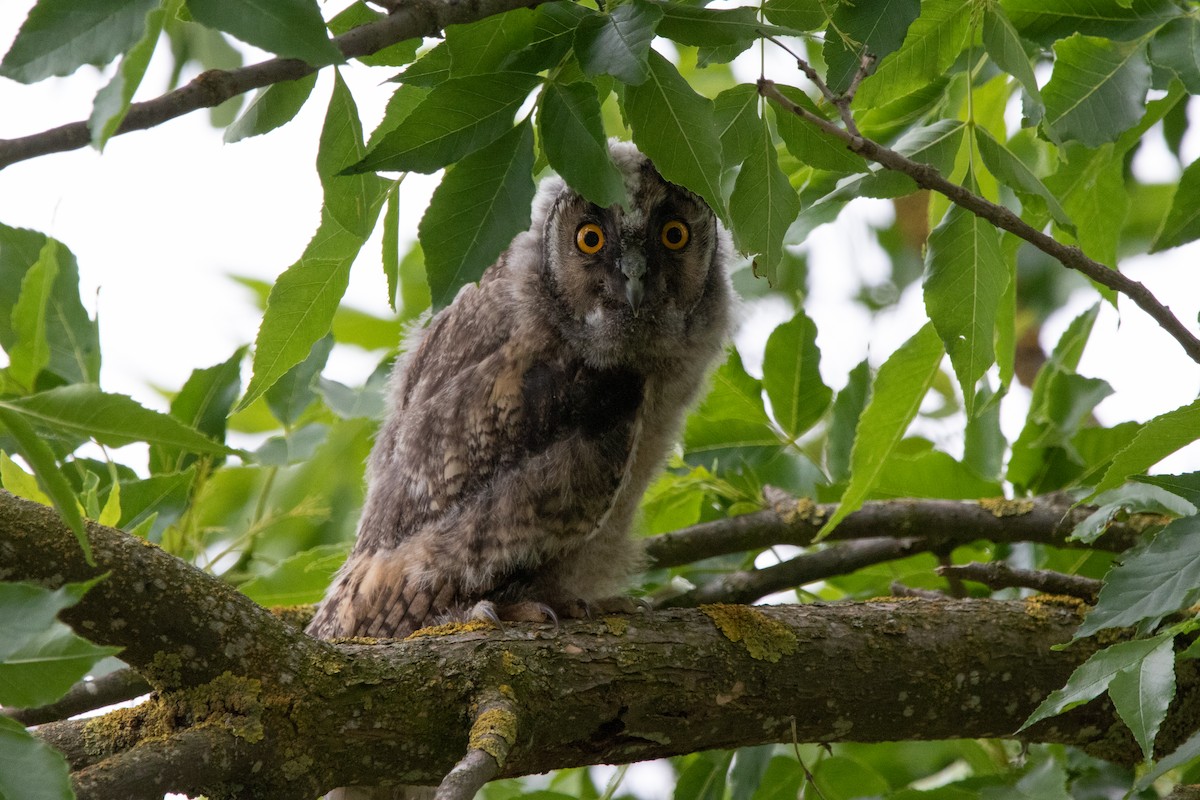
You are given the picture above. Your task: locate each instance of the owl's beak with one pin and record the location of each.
(634, 270)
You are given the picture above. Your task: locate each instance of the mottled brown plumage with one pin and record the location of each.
(527, 422)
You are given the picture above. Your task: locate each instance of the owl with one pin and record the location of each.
(528, 419)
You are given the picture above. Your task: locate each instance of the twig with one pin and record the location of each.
(115, 687)
(999, 575)
(1046, 520)
(1071, 257)
(954, 583)
(898, 589)
(841, 559)
(492, 736)
(211, 88)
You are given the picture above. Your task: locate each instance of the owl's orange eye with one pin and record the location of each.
(589, 238)
(674, 235)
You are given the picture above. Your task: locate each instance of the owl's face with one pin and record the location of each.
(630, 281)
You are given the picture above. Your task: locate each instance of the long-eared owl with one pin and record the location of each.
(528, 419)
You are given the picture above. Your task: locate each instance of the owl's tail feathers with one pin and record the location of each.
(382, 595)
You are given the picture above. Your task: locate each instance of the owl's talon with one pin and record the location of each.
(485, 611)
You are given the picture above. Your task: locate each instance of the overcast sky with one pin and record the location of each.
(163, 217)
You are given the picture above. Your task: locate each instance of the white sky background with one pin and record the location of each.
(163, 217)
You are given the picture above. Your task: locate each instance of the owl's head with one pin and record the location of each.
(630, 283)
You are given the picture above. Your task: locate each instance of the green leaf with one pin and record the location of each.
(414, 284)
(293, 393)
(1098, 89)
(808, 143)
(390, 248)
(159, 499)
(1003, 45)
(482, 47)
(298, 579)
(933, 42)
(572, 136)
(732, 414)
(432, 68)
(783, 780)
(271, 108)
(29, 768)
(399, 106)
(203, 403)
(792, 375)
(288, 28)
(763, 205)
(482, 203)
(703, 778)
(1046, 22)
(21, 483)
(1092, 678)
(618, 43)
(82, 410)
(31, 353)
(1151, 582)
(932, 474)
(801, 15)
(1131, 498)
(1182, 223)
(1002, 163)
(965, 276)
(41, 459)
(676, 130)
(847, 409)
(1142, 693)
(750, 765)
(112, 102)
(305, 298)
(27, 611)
(73, 337)
(59, 36)
(459, 116)
(1186, 752)
(46, 666)
(1157, 439)
(736, 114)
(732, 29)
(1176, 47)
(553, 34)
(1186, 486)
(900, 386)
(878, 26)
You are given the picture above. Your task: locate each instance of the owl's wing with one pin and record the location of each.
(504, 451)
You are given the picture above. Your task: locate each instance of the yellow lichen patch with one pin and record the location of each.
(1040, 606)
(296, 616)
(448, 628)
(164, 669)
(510, 663)
(765, 639)
(616, 625)
(231, 702)
(1002, 507)
(793, 511)
(494, 732)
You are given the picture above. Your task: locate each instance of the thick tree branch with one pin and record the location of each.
(927, 177)
(179, 626)
(942, 523)
(409, 20)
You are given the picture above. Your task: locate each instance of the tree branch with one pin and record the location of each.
(409, 20)
(1071, 257)
(115, 687)
(942, 523)
(841, 559)
(999, 575)
(179, 626)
